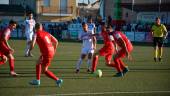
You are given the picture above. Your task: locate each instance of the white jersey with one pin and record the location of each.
(29, 25)
(91, 27)
(87, 39)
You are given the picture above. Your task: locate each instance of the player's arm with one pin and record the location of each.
(33, 42)
(165, 32)
(4, 38)
(125, 48)
(113, 41)
(94, 28)
(94, 41)
(152, 30)
(54, 41)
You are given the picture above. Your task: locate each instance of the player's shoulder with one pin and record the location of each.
(7, 29)
(162, 25)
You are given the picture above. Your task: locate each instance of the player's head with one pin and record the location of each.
(103, 26)
(38, 26)
(85, 26)
(30, 15)
(12, 24)
(157, 21)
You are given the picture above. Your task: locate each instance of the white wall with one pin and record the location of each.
(4, 1)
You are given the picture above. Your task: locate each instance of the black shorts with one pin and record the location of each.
(158, 41)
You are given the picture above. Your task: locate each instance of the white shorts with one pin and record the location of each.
(85, 50)
(29, 36)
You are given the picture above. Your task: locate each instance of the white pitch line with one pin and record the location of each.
(102, 93)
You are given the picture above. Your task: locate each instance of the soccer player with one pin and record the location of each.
(29, 31)
(5, 48)
(107, 50)
(47, 44)
(125, 48)
(159, 33)
(88, 47)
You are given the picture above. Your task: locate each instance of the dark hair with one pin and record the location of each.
(12, 22)
(29, 13)
(157, 18)
(83, 23)
(37, 25)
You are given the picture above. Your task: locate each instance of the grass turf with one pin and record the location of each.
(146, 77)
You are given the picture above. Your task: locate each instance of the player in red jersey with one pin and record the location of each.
(107, 50)
(125, 48)
(5, 49)
(47, 44)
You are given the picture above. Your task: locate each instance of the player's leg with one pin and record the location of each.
(160, 48)
(11, 64)
(29, 52)
(38, 72)
(95, 61)
(155, 41)
(84, 51)
(118, 64)
(89, 61)
(28, 45)
(109, 63)
(79, 62)
(45, 63)
(123, 67)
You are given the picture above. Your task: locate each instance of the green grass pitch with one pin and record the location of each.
(145, 78)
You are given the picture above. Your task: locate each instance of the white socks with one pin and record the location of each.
(27, 49)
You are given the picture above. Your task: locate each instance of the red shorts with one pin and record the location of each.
(107, 52)
(4, 49)
(44, 60)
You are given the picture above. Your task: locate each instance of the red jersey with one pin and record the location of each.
(117, 35)
(106, 39)
(6, 33)
(43, 40)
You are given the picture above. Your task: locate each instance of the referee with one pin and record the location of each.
(159, 33)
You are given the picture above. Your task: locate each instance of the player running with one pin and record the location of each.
(107, 50)
(125, 48)
(47, 44)
(29, 31)
(159, 33)
(88, 47)
(5, 48)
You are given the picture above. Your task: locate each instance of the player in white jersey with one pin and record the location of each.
(88, 47)
(29, 31)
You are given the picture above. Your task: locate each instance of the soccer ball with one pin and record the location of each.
(98, 73)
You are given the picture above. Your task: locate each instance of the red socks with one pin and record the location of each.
(117, 65)
(94, 63)
(51, 75)
(38, 71)
(11, 64)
